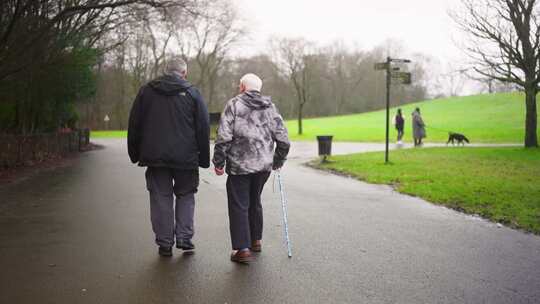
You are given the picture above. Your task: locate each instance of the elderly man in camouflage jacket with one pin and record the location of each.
(252, 140)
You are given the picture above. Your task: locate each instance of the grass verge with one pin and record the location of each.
(108, 134)
(494, 118)
(500, 184)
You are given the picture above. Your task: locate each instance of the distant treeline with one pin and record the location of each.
(303, 78)
(335, 81)
(69, 63)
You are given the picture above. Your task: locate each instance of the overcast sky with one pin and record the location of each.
(422, 25)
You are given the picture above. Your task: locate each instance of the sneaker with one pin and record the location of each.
(185, 245)
(165, 251)
(242, 256)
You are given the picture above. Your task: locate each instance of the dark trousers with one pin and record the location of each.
(172, 221)
(245, 208)
(399, 134)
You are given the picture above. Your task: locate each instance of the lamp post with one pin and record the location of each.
(401, 77)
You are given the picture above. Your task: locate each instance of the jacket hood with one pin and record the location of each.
(255, 100)
(169, 85)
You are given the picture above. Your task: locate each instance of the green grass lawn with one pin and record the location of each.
(501, 184)
(108, 134)
(496, 118)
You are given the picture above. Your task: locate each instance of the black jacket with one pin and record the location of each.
(168, 126)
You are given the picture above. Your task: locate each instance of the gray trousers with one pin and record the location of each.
(245, 208)
(170, 221)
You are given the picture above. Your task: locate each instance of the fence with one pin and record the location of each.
(16, 150)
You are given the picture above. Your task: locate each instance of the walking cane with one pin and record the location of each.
(284, 209)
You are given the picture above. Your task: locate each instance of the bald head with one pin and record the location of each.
(250, 82)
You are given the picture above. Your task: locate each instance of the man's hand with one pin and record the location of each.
(219, 171)
(277, 165)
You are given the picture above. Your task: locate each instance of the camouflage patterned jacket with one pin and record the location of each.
(249, 126)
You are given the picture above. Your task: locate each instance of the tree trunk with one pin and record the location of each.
(211, 92)
(300, 119)
(531, 140)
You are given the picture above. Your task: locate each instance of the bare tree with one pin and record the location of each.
(342, 74)
(133, 54)
(149, 40)
(207, 39)
(158, 44)
(294, 58)
(504, 45)
(490, 84)
(453, 81)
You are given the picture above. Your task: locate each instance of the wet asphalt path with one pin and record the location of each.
(81, 234)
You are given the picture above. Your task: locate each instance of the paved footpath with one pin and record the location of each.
(81, 234)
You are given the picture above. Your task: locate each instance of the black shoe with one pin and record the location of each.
(165, 251)
(185, 245)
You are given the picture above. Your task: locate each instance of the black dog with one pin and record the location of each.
(460, 138)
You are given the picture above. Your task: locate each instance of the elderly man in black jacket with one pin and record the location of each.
(169, 133)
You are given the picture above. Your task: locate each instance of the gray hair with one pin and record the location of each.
(175, 65)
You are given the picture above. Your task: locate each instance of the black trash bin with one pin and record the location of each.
(325, 145)
(86, 136)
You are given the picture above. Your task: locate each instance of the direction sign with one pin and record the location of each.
(381, 66)
(402, 77)
(400, 60)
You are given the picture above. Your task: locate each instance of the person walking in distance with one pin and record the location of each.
(169, 134)
(250, 127)
(419, 130)
(399, 123)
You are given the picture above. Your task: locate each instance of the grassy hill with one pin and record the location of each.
(495, 118)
